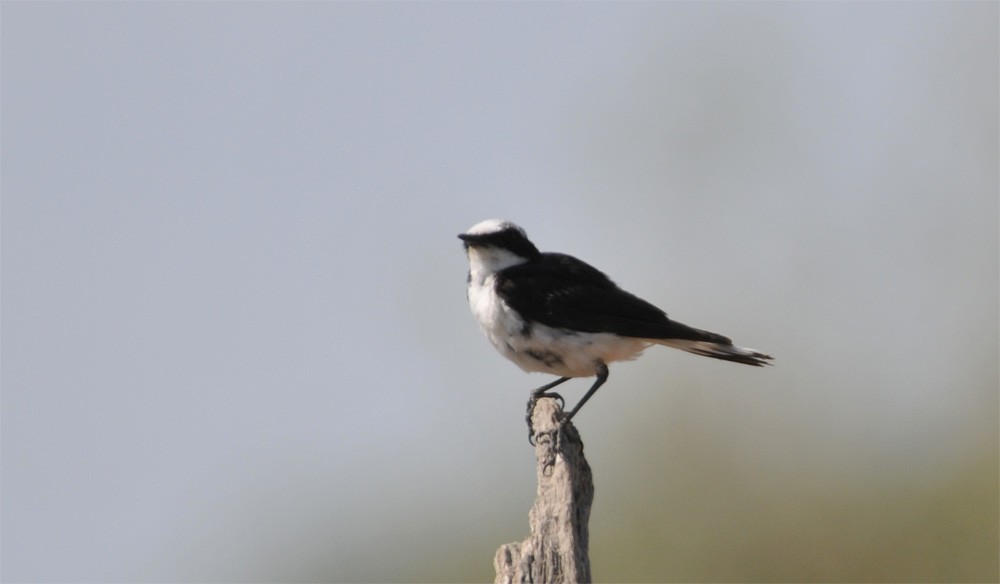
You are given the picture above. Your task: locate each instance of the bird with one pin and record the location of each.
(553, 313)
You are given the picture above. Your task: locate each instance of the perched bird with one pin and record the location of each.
(553, 313)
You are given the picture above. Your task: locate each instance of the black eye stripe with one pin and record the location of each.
(510, 239)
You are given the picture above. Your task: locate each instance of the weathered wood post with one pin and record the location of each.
(556, 550)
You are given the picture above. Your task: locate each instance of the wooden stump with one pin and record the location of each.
(556, 550)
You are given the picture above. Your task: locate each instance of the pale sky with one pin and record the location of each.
(235, 341)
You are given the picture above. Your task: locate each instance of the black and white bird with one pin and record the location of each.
(553, 313)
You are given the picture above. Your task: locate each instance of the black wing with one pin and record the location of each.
(561, 291)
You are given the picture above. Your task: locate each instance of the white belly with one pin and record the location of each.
(541, 348)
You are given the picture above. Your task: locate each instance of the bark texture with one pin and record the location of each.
(556, 550)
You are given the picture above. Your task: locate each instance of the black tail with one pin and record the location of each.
(712, 345)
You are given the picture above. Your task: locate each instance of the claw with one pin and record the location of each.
(535, 396)
(527, 418)
(532, 401)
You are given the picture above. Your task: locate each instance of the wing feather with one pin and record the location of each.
(561, 291)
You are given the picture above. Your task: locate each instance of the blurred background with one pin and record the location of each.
(235, 339)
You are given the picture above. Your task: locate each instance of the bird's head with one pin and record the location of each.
(495, 244)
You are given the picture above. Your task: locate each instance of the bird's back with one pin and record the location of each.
(561, 291)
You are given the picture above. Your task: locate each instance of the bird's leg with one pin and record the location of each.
(537, 394)
(602, 376)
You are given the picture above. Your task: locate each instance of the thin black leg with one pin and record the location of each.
(537, 394)
(602, 376)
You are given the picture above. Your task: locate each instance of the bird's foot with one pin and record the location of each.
(531, 409)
